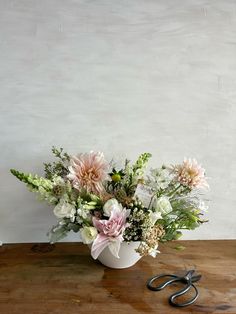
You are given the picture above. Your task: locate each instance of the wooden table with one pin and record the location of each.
(44, 279)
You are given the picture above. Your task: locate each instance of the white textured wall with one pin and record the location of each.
(123, 77)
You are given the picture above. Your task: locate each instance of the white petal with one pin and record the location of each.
(154, 216)
(114, 247)
(109, 205)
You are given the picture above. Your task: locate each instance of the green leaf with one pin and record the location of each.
(179, 247)
(57, 233)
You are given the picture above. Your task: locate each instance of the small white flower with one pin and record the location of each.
(58, 180)
(110, 205)
(162, 205)
(64, 210)
(202, 206)
(83, 213)
(159, 179)
(154, 216)
(88, 234)
(153, 251)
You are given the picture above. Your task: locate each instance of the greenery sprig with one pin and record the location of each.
(57, 167)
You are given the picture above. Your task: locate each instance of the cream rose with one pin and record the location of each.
(64, 210)
(162, 205)
(110, 205)
(88, 234)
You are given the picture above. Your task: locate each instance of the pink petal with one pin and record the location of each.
(99, 224)
(99, 244)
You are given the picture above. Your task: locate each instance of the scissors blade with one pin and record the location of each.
(191, 276)
(196, 278)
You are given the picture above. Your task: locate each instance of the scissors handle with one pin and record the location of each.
(163, 285)
(175, 295)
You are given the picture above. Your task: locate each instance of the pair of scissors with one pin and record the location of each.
(186, 279)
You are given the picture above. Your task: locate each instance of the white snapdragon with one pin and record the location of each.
(64, 210)
(82, 214)
(110, 205)
(58, 180)
(88, 234)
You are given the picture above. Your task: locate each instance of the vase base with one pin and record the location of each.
(128, 256)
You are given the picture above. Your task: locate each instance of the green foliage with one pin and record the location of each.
(183, 216)
(179, 247)
(58, 232)
(63, 156)
(89, 200)
(61, 230)
(57, 168)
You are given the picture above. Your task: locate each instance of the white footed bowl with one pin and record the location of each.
(128, 256)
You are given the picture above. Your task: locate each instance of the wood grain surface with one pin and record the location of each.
(63, 278)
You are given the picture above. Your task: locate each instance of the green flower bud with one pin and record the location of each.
(116, 177)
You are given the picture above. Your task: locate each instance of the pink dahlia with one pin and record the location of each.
(190, 174)
(89, 171)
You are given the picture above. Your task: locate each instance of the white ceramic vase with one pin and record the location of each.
(128, 256)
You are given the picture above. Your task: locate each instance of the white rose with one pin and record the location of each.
(162, 205)
(88, 234)
(109, 205)
(64, 210)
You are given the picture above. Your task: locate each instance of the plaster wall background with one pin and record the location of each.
(122, 77)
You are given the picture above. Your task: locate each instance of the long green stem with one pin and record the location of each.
(175, 190)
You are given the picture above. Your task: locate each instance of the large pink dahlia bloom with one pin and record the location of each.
(89, 171)
(190, 174)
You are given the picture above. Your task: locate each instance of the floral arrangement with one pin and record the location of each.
(107, 205)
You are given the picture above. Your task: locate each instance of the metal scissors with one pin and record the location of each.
(186, 279)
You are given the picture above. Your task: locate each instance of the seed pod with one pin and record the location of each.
(58, 190)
